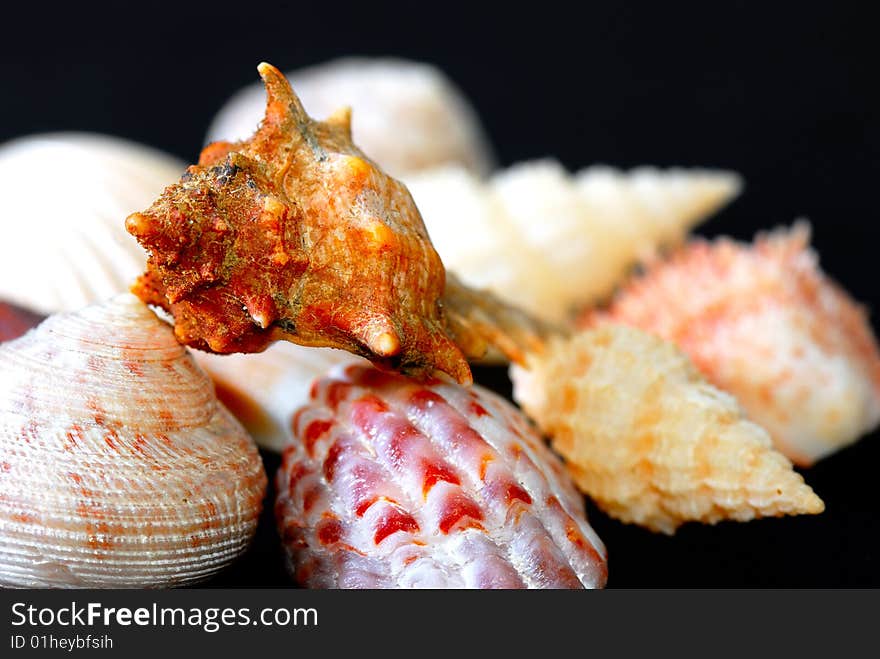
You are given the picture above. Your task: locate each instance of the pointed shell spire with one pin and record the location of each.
(281, 102)
(341, 118)
(296, 235)
(64, 250)
(651, 441)
(551, 241)
(408, 115)
(284, 117)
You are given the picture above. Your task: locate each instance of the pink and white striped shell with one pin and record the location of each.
(118, 466)
(648, 439)
(395, 483)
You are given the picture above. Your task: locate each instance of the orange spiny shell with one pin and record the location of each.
(295, 234)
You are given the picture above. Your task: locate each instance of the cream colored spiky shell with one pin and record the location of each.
(407, 116)
(551, 241)
(763, 322)
(649, 439)
(118, 466)
(65, 197)
(261, 389)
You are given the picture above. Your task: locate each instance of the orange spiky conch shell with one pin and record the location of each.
(349, 262)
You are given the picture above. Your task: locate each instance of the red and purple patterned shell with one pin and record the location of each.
(396, 483)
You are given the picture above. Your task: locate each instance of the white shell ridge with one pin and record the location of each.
(65, 197)
(550, 241)
(763, 322)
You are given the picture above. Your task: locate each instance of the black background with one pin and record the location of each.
(785, 94)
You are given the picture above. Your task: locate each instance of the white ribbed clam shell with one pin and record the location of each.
(118, 466)
(548, 240)
(64, 198)
(407, 116)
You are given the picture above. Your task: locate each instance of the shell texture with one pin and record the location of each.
(407, 116)
(71, 250)
(649, 440)
(118, 466)
(550, 241)
(490, 330)
(295, 235)
(68, 248)
(764, 323)
(395, 483)
(262, 389)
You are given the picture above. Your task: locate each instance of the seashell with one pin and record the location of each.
(69, 248)
(650, 440)
(763, 322)
(549, 241)
(408, 116)
(91, 256)
(261, 389)
(395, 483)
(118, 466)
(15, 321)
(294, 235)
